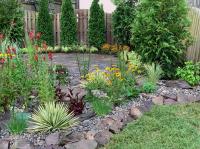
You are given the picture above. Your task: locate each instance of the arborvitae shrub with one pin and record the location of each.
(96, 31)
(68, 24)
(122, 19)
(11, 20)
(160, 33)
(45, 23)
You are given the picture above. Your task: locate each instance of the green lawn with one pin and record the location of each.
(165, 127)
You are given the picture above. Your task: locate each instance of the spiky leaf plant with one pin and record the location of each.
(154, 72)
(52, 117)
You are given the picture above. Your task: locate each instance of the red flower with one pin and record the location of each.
(38, 35)
(2, 61)
(13, 50)
(44, 46)
(50, 56)
(36, 58)
(31, 35)
(1, 36)
(44, 58)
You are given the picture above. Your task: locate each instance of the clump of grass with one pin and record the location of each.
(154, 72)
(17, 123)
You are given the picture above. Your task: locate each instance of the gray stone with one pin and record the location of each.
(52, 139)
(103, 137)
(158, 100)
(83, 144)
(22, 144)
(192, 98)
(169, 101)
(178, 84)
(90, 135)
(99, 94)
(72, 138)
(4, 144)
(182, 98)
(167, 94)
(135, 112)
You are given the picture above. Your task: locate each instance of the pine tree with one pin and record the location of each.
(68, 24)
(96, 31)
(45, 23)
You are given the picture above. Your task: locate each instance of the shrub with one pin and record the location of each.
(148, 87)
(68, 24)
(122, 19)
(154, 72)
(160, 33)
(190, 73)
(45, 23)
(11, 18)
(96, 31)
(52, 117)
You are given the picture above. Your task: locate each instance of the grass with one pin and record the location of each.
(165, 127)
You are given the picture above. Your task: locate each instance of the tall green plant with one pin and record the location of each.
(122, 19)
(11, 18)
(96, 31)
(68, 24)
(45, 23)
(160, 33)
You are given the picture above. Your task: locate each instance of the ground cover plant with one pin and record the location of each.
(163, 127)
(190, 73)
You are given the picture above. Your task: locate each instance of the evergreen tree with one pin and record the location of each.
(96, 31)
(122, 19)
(12, 22)
(160, 33)
(68, 24)
(45, 23)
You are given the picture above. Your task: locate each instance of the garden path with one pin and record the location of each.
(69, 60)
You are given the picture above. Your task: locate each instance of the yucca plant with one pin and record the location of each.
(52, 117)
(154, 72)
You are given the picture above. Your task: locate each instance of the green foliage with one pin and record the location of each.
(121, 20)
(154, 72)
(45, 85)
(11, 18)
(52, 117)
(17, 124)
(62, 74)
(96, 31)
(148, 87)
(101, 107)
(190, 73)
(160, 33)
(45, 23)
(117, 2)
(157, 128)
(68, 24)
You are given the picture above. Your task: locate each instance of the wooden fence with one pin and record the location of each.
(82, 23)
(193, 52)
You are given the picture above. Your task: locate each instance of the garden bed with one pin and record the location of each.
(98, 130)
